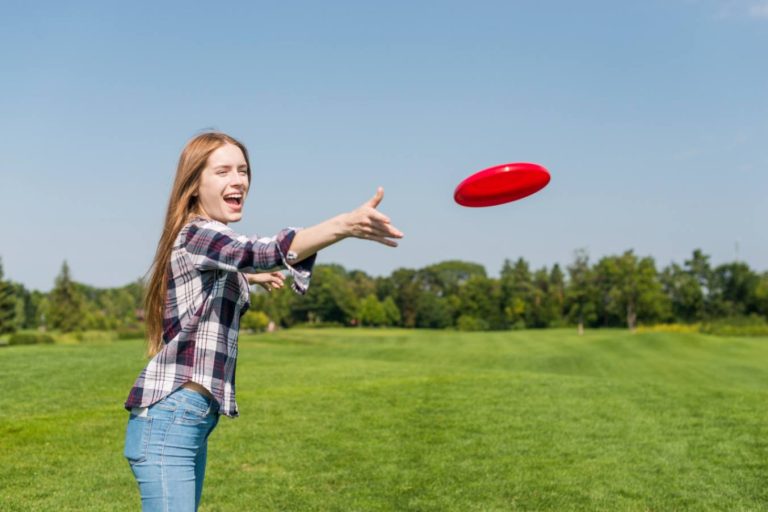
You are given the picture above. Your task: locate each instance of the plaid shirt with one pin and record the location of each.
(207, 295)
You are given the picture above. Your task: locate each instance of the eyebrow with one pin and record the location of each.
(225, 166)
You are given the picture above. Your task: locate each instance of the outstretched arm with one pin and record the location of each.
(364, 222)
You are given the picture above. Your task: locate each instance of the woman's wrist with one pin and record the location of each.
(342, 227)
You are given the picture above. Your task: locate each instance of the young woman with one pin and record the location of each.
(197, 292)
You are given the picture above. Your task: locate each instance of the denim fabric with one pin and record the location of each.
(166, 446)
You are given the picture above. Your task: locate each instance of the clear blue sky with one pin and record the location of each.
(651, 116)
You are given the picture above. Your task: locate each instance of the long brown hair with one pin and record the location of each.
(181, 206)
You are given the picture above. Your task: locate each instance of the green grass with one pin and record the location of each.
(391, 420)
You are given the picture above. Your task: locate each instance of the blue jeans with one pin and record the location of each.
(166, 446)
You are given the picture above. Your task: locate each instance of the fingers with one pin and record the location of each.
(376, 233)
(370, 224)
(275, 281)
(383, 234)
(386, 229)
(377, 216)
(383, 240)
(269, 281)
(372, 220)
(375, 228)
(376, 199)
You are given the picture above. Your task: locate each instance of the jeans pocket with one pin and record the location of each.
(168, 404)
(137, 438)
(193, 416)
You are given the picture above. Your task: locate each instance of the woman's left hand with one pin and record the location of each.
(267, 280)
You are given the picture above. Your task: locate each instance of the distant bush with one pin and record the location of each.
(752, 325)
(318, 325)
(95, 336)
(471, 323)
(684, 328)
(30, 338)
(130, 333)
(254, 321)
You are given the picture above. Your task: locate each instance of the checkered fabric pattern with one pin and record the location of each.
(207, 295)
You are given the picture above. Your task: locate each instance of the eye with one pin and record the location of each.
(243, 172)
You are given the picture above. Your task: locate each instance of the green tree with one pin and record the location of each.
(547, 298)
(544, 309)
(445, 278)
(19, 317)
(361, 284)
(517, 293)
(434, 311)
(737, 287)
(330, 297)
(278, 305)
(391, 313)
(701, 271)
(685, 293)
(581, 292)
(761, 295)
(43, 312)
(405, 290)
(32, 311)
(67, 305)
(631, 288)
(8, 305)
(371, 312)
(481, 300)
(556, 296)
(23, 317)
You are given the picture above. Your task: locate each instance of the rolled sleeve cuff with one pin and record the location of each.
(300, 271)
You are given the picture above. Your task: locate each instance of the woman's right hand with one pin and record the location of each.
(367, 223)
(364, 222)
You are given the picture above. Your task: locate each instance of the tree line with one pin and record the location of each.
(70, 306)
(617, 290)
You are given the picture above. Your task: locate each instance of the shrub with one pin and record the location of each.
(318, 325)
(254, 321)
(684, 328)
(95, 336)
(130, 333)
(752, 325)
(30, 338)
(471, 323)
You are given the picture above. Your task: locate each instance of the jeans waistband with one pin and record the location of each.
(188, 396)
(193, 397)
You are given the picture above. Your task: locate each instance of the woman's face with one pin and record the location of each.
(223, 185)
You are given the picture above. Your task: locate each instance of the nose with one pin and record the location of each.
(240, 181)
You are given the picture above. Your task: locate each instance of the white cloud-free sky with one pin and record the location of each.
(652, 118)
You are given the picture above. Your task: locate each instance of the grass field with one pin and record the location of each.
(392, 420)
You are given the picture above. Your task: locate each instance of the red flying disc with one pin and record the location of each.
(501, 184)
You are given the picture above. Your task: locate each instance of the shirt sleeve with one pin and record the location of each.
(214, 246)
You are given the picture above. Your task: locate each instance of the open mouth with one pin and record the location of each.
(234, 200)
